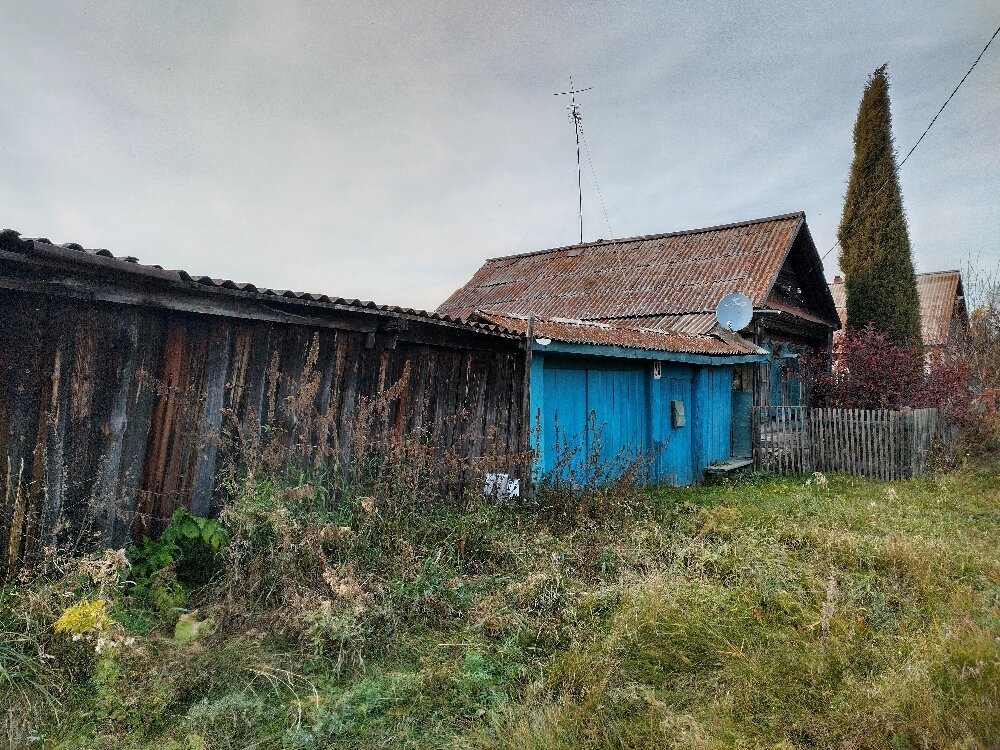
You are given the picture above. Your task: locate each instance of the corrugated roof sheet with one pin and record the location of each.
(940, 292)
(73, 253)
(839, 293)
(696, 323)
(666, 274)
(615, 334)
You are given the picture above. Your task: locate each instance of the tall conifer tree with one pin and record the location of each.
(875, 243)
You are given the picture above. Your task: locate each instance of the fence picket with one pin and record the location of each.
(876, 443)
(860, 418)
(879, 443)
(835, 445)
(834, 459)
(852, 442)
(869, 444)
(817, 440)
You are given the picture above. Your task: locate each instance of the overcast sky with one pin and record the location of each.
(383, 154)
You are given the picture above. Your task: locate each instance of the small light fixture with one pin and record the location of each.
(543, 341)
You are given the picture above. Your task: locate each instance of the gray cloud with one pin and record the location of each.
(384, 152)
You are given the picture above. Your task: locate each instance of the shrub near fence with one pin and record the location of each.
(875, 443)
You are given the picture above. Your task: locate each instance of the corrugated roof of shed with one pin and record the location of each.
(101, 259)
(666, 274)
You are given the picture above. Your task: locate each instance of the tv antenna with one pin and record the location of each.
(577, 120)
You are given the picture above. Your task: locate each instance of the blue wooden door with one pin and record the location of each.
(564, 423)
(616, 400)
(594, 420)
(674, 464)
(742, 424)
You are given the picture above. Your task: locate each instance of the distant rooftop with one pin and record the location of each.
(940, 293)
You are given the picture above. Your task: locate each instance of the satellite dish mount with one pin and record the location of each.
(734, 311)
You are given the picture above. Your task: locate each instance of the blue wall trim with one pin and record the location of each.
(621, 352)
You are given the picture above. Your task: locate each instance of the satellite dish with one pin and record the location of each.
(734, 311)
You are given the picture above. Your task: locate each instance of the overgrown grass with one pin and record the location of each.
(840, 613)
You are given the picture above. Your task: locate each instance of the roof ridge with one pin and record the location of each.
(662, 235)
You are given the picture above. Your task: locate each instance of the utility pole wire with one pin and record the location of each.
(995, 33)
(593, 172)
(909, 153)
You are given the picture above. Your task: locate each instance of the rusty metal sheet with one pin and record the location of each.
(614, 334)
(941, 296)
(668, 274)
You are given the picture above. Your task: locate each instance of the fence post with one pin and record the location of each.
(755, 427)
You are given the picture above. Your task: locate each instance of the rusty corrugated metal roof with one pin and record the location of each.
(940, 294)
(75, 254)
(839, 293)
(600, 333)
(696, 323)
(664, 274)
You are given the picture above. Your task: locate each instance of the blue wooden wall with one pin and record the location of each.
(594, 411)
(614, 410)
(785, 383)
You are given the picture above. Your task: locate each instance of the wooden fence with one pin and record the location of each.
(874, 443)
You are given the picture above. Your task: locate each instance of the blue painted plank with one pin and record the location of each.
(646, 355)
(536, 408)
(564, 422)
(674, 463)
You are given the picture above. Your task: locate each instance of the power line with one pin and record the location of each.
(931, 124)
(926, 130)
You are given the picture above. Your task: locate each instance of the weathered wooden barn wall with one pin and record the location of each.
(116, 388)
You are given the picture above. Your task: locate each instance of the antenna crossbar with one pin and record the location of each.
(577, 119)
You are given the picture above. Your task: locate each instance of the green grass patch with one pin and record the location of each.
(761, 613)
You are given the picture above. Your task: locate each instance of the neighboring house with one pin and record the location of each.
(943, 314)
(654, 297)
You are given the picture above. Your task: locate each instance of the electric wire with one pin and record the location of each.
(909, 153)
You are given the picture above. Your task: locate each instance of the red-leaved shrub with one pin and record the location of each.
(871, 372)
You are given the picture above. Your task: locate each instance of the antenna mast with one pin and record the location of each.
(577, 120)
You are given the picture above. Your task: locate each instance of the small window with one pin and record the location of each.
(677, 413)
